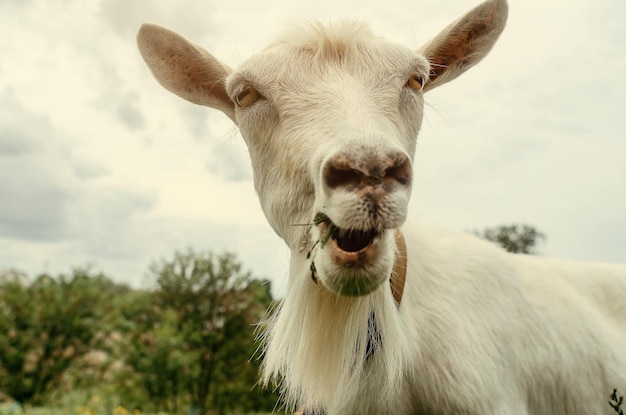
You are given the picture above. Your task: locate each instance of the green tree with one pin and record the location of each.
(45, 326)
(192, 344)
(521, 239)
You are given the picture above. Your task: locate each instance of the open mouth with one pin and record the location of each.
(348, 247)
(354, 240)
(352, 262)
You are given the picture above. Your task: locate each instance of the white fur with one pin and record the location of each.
(478, 331)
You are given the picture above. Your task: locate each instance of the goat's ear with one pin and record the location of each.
(465, 42)
(184, 68)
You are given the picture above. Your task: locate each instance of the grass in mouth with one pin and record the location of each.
(331, 231)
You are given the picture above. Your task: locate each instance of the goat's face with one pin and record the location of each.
(331, 134)
(330, 117)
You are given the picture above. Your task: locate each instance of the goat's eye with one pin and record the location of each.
(247, 96)
(415, 82)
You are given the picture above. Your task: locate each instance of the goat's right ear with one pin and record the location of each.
(184, 68)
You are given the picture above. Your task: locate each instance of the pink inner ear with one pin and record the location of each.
(184, 68)
(458, 48)
(198, 74)
(210, 81)
(464, 43)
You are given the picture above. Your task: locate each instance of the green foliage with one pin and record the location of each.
(521, 239)
(616, 402)
(45, 326)
(184, 346)
(192, 343)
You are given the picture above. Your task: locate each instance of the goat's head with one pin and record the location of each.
(330, 116)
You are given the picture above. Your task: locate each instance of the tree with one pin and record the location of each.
(45, 326)
(521, 239)
(193, 343)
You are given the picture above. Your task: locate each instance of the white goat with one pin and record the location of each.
(330, 115)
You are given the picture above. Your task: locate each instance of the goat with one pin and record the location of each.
(383, 314)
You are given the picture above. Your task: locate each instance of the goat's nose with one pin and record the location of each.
(355, 172)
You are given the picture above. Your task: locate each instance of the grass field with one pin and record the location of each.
(82, 404)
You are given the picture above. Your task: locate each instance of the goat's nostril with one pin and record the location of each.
(400, 171)
(344, 171)
(336, 176)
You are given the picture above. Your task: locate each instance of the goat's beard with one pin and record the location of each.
(316, 343)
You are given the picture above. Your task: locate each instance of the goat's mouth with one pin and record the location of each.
(354, 240)
(347, 247)
(350, 262)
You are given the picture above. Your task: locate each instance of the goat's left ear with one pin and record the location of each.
(465, 42)
(184, 68)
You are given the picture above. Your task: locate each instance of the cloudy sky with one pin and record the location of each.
(101, 166)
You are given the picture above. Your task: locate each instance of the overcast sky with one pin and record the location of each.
(100, 166)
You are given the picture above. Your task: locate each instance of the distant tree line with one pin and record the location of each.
(183, 346)
(518, 239)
